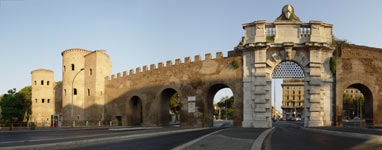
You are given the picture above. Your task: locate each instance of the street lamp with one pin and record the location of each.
(73, 88)
(226, 115)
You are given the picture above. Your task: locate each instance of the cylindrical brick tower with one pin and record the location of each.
(73, 85)
(43, 98)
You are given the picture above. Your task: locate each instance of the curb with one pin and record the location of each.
(260, 139)
(185, 145)
(345, 134)
(70, 144)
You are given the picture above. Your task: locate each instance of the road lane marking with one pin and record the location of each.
(185, 145)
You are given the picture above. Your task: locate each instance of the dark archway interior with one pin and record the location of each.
(135, 111)
(368, 101)
(164, 116)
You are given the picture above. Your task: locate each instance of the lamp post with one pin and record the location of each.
(226, 115)
(274, 100)
(73, 88)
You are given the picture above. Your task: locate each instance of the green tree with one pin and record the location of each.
(27, 93)
(230, 107)
(175, 105)
(16, 107)
(12, 106)
(59, 83)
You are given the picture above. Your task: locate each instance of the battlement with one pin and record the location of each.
(75, 50)
(169, 63)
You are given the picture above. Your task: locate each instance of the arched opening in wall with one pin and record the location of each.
(220, 106)
(74, 91)
(288, 92)
(64, 68)
(169, 107)
(135, 113)
(73, 67)
(357, 106)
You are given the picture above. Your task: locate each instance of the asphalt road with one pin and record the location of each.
(24, 136)
(165, 142)
(288, 135)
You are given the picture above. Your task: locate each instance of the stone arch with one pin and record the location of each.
(135, 111)
(208, 104)
(300, 57)
(164, 105)
(364, 87)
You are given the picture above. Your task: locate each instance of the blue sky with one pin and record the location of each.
(141, 32)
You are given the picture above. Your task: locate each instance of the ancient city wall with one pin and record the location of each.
(199, 78)
(361, 68)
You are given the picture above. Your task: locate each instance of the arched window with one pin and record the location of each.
(47, 82)
(74, 91)
(35, 82)
(48, 100)
(36, 100)
(88, 92)
(64, 68)
(72, 67)
(90, 71)
(42, 82)
(43, 100)
(64, 92)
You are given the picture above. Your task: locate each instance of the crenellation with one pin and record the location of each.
(219, 55)
(145, 69)
(118, 75)
(160, 65)
(177, 61)
(197, 58)
(131, 72)
(112, 76)
(168, 63)
(152, 67)
(208, 56)
(124, 74)
(187, 60)
(138, 70)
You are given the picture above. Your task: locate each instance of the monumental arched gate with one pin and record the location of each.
(287, 39)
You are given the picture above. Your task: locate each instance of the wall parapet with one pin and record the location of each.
(169, 63)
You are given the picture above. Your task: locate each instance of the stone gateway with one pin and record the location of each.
(91, 96)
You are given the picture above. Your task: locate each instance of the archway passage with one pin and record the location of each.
(220, 106)
(288, 92)
(169, 107)
(357, 106)
(135, 111)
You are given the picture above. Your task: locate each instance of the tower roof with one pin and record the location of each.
(42, 70)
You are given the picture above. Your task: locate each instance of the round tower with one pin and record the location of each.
(43, 98)
(73, 85)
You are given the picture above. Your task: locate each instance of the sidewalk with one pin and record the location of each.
(354, 130)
